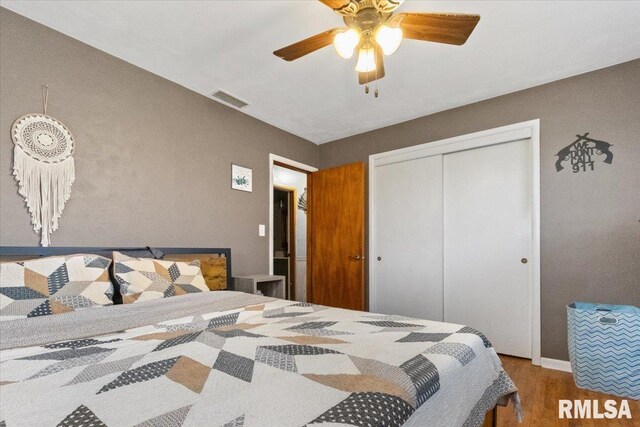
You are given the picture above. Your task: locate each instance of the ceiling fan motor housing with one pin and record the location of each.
(366, 20)
(355, 6)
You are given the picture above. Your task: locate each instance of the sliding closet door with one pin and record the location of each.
(487, 243)
(408, 239)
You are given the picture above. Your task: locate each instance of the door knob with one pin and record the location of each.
(355, 257)
(524, 260)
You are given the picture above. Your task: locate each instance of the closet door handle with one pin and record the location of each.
(356, 257)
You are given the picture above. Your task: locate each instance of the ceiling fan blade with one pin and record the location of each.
(335, 4)
(306, 46)
(450, 28)
(377, 74)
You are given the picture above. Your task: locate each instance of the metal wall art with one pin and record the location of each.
(582, 154)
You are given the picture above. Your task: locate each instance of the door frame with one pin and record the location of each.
(292, 197)
(518, 131)
(274, 160)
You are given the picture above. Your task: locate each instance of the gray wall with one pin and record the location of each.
(590, 222)
(153, 159)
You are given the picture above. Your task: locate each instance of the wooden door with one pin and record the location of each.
(336, 237)
(487, 243)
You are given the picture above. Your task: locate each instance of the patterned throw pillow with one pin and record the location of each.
(143, 279)
(54, 285)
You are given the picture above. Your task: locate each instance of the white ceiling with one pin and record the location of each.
(207, 45)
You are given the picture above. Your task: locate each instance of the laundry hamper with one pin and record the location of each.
(604, 347)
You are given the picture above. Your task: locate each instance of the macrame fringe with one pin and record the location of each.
(46, 187)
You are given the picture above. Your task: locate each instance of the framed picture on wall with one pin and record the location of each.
(241, 178)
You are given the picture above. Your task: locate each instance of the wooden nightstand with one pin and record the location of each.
(270, 286)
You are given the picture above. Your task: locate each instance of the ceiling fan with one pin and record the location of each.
(375, 31)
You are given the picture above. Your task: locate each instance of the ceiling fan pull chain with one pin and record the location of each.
(366, 88)
(375, 93)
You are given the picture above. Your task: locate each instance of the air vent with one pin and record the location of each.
(229, 99)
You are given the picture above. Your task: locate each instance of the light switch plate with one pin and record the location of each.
(261, 230)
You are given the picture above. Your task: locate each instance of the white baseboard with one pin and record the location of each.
(558, 365)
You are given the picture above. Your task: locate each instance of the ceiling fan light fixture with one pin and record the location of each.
(388, 38)
(374, 29)
(366, 59)
(346, 42)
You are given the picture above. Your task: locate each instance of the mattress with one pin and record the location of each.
(233, 359)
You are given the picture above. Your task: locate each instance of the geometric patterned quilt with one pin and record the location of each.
(280, 363)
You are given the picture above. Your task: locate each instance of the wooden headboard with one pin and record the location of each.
(215, 262)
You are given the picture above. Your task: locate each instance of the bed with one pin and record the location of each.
(232, 359)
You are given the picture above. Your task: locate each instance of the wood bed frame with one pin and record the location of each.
(491, 418)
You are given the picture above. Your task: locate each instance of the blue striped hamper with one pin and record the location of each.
(604, 347)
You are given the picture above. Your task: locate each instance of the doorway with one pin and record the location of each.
(332, 262)
(285, 235)
(288, 224)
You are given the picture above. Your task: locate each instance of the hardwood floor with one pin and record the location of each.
(540, 389)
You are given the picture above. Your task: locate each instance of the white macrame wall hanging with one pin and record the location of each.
(44, 168)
